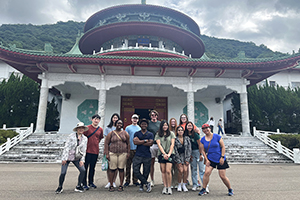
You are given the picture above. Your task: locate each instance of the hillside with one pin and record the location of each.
(62, 36)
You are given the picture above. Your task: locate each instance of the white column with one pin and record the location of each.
(41, 115)
(102, 101)
(190, 101)
(245, 112)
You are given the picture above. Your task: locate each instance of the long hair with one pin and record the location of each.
(177, 128)
(186, 131)
(180, 122)
(111, 123)
(161, 131)
(170, 126)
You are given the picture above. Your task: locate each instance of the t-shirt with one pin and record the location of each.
(194, 139)
(214, 152)
(108, 130)
(93, 141)
(142, 150)
(165, 142)
(131, 129)
(153, 127)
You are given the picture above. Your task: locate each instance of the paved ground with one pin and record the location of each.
(39, 181)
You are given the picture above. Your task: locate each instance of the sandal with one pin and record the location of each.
(111, 189)
(120, 188)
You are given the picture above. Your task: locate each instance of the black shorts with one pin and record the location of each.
(162, 160)
(218, 165)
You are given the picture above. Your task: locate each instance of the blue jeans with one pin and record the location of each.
(196, 162)
(220, 130)
(64, 172)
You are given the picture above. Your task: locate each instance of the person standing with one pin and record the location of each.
(131, 130)
(165, 140)
(220, 126)
(215, 157)
(68, 155)
(153, 127)
(143, 139)
(211, 123)
(94, 135)
(111, 127)
(117, 150)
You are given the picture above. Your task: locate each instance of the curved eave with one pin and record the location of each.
(142, 53)
(94, 39)
(140, 8)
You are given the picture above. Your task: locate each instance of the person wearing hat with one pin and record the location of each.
(131, 130)
(69, 155)
(94, 135)
(143, 139)
(213, 149)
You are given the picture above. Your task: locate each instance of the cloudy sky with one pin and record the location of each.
(274, 23)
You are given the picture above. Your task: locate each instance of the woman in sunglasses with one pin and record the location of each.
(214, 157)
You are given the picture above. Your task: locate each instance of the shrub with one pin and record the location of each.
(4, 134)
(289, 141)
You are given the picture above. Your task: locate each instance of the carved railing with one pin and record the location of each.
(263, 136)
(23, 133)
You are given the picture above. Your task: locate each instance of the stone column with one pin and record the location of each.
(190, 101)
(245, 112)
(42, 110)
(102, 101)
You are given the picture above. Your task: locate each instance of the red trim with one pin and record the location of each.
(193, 72)
(219, 73)
(163, 71)
(72, 68)
(102, 69)
(132, 69)
(42, 67)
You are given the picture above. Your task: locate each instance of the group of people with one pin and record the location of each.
(177, 147)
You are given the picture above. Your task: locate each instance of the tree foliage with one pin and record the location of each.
(271, 108)
(19, 98)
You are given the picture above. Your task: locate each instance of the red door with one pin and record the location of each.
(142, 106)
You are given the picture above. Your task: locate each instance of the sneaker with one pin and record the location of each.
(194, 188)
(188, 183)
(92, 185)
(169, 190)
(114, 184)
(207, 190)
(230, 192)
(179, 187)
(136, 184)
(152, 183)
(85, 187)
(141, 189)
(184, 187)
(79, 189)
(108, 185)
(59, 190)
(148, 185)
(164, 191)
(126, 184)
(202, 192)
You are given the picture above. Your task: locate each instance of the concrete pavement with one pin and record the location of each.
(39, 181)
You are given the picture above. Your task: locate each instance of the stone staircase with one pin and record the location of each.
(250, 150)
(48, 148)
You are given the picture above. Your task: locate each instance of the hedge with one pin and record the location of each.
(289, 141)
(4, 134)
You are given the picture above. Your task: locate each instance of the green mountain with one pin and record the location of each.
(62, 37)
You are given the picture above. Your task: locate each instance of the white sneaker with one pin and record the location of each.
(108, 185)
(164, 191)
(207, 190)
(152, 183)
(169, 190)
(179, 187)
(194, 188)
(184, 187)
(114, 184)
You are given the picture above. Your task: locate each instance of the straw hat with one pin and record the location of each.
(80, 124)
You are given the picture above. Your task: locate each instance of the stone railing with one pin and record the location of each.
(23, 133)
(263, 136)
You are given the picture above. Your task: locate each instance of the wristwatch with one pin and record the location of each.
(222, 156)
(145, 141)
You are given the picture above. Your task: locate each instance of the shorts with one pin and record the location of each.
(162, 160)
(117, 160)
(218, 166)
(154, 150)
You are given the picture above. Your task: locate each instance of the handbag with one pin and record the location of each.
(78, 152)
(104, 165)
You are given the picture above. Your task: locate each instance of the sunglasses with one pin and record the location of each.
(205, 128)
